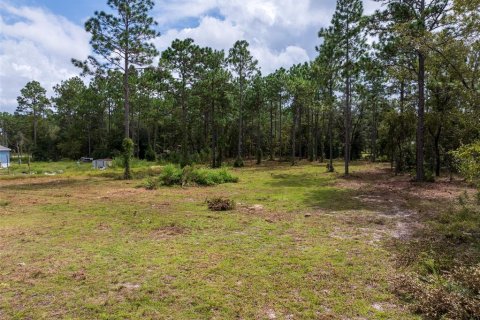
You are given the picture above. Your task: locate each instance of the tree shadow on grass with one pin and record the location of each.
(320, 192)
(35, 186)
(334, 199)
(304, 180)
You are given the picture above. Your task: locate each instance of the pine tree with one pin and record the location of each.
(122, 40)
(33, 102)
(244, 67)
(348, 34)
(182, 59)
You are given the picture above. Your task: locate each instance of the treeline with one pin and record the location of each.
(401, 85)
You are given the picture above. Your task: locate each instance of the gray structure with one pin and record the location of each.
(101, 163)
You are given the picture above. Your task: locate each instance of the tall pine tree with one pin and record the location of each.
(348, 32)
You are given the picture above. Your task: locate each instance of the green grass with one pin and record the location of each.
(140, 168)
(81, 245)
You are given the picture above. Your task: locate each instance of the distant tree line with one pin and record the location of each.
(401, 85)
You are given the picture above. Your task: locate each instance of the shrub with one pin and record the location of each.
(467, 160)
(151, 183)
(150, 154)
(238, 163)
(210, 177)
(174, 175)
(171, 175)
(220, 204)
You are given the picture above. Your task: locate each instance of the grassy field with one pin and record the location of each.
(301, 244)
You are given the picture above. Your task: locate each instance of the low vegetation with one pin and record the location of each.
(442, 279)
(220, 204)
(175, 175)
(442, 260)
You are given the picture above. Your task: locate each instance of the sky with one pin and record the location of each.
(38, 38)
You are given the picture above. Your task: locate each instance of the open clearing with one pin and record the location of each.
(301, 244)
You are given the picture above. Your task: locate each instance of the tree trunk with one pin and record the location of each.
(294, 133)
(317, 140)
(347, 109)
(330, 141)
(126, 92)
(185, 159)
(420, 176)
(35, 126)
(437, 152)
(374, 133)
(280, 127)
(214, 136)
(271, 132)
(240, 125)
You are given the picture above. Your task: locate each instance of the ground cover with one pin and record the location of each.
(300, 244)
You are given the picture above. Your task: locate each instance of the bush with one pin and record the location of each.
(210, 177)
(174, 175)
(238, 163)
(467, 160)
(220, 204)
(151, 183)
(150, 154)
(171, 175)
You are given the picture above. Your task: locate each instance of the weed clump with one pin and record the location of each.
(220, 204)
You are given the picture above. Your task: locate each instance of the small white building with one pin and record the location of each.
(101, 163)
(4, 157)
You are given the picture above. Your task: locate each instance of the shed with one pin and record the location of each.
(101, 163)
(4, 157)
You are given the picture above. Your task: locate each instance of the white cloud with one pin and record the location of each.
(36, 45)
(212, 32)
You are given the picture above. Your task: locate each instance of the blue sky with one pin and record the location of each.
(76, 11)
(38, 38)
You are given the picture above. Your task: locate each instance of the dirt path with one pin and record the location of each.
(400, 205)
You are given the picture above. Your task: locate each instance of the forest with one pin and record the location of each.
(345, 187)
(401, 85)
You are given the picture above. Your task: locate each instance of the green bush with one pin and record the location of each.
(150, 154)
(210, 177)
(467, 160)
(238, 163)
(171, 175)
(174, 175)
(151, 183)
